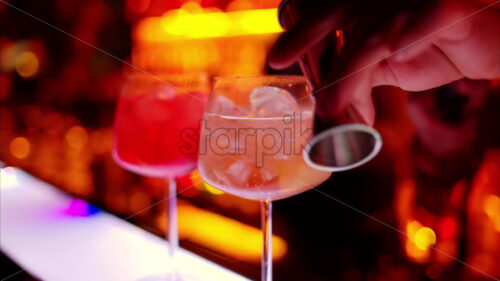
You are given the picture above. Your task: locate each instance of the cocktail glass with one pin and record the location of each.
(153, 135)
(252, 139)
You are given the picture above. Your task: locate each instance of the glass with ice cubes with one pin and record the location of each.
(252, 138)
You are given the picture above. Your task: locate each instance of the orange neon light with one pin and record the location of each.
(224, 235)
(182, 24)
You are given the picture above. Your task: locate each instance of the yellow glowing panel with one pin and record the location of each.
(225, 235)
(256, 21)
(182, 24)
(199, 25)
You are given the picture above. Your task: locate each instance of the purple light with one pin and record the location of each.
(80, 208)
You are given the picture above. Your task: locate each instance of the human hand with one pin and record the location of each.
(411, 45)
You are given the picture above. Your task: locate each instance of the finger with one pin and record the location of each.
(429, 69)
(364, 107)
(354, 91)
(353, 86)
(422, 28)
(305, 34)
(477, 54)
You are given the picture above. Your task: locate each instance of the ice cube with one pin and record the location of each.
(242, 173)
(223, 106)
(233, 172)
(272, 102)
(268, 175)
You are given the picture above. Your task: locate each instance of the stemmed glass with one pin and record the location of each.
(154, 111)
(252, 138)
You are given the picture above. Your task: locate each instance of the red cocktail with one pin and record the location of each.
(156, 132)
(149, 127)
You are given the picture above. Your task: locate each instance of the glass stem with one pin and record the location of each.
(173, 232)
(266, 214)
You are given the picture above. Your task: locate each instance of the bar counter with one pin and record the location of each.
(56, 237)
